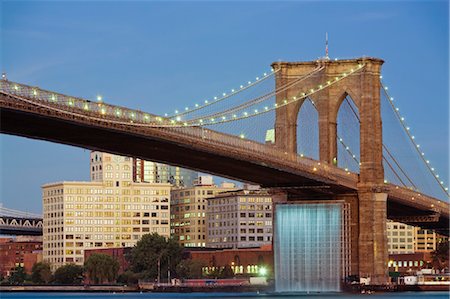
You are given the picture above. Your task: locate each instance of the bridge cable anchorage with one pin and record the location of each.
(412, 139)
(224, 96)
(259, 99)
(81, 107)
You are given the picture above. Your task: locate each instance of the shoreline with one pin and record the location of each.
(214, 289)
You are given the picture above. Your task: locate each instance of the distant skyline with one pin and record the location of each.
(159, 56)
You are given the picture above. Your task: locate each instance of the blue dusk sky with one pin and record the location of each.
(158, 56)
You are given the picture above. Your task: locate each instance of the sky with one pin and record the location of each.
(159, 56)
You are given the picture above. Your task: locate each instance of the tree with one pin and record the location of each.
(226, 272)
(18, 276)
(152, 250)
(440, 255)
(190, 269)
(128, 277)
(101, 268)
(41, 273)
(69, 274)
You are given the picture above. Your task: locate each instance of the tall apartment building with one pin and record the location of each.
(139, 170)
(188, 210)
(239, 219)
(153, 172)
(109, 211)
(403, 238)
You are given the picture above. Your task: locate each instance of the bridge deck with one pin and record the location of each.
(200, 149)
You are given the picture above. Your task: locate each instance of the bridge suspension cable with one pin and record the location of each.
(389, 154)
(412, 139)
(120, 115)
(216, 100)
(259, 99)
(15, 213)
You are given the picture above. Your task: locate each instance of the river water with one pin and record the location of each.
(43, 295)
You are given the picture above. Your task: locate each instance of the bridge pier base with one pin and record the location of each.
(372, 247)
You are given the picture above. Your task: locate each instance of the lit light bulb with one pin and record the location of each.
(99, 98)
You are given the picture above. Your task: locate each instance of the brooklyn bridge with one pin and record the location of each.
(314, 133)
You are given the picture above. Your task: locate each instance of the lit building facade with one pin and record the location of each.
(152, 172)
(400, 238)
(188, 210)
(239, 219)
(426, 240)
(110, 211)
(403, 238)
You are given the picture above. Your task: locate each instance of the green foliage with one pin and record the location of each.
(69, 274)
(441, 255)
(189, 269)
(151, 248)
(18, 276)
(101, 268)
(41, 273)
(128, 278)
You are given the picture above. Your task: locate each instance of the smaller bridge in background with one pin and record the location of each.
(13, 222)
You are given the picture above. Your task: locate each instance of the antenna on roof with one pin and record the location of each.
(326, 46)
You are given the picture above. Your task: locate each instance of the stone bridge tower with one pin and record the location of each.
(368, 204)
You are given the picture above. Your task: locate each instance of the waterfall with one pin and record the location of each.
(307, 247)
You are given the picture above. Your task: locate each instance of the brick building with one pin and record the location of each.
(244, 261)
(19, 252)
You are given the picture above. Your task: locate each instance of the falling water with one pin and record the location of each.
(307, 247)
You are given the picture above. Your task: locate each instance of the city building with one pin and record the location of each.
(153, 172)
(21, 251)
(110, 211)
(426, 240)
(409, 263)
(400, 238)
(403, 238)
(239, 219)
(188, 210)
(243, 261)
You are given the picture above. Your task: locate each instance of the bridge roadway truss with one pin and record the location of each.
(20, 226)
(290, 176)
